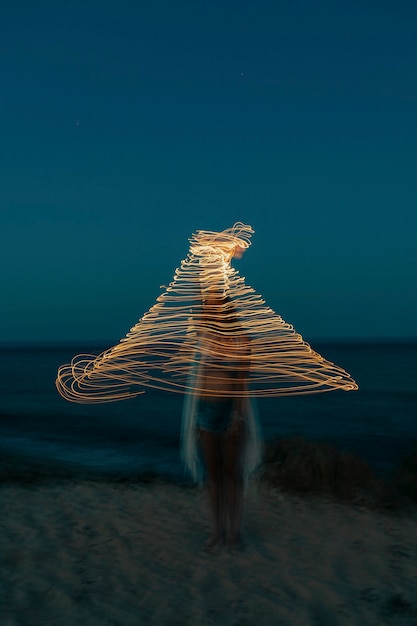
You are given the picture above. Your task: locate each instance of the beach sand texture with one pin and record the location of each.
(97, 553)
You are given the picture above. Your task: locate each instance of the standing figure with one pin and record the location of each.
(222, 420)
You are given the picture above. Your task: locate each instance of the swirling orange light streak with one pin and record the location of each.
(168, 344)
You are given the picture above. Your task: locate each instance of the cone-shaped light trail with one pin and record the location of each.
(164, 347)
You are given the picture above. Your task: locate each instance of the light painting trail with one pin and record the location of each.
(167, 345)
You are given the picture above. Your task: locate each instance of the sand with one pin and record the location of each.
(96, 553)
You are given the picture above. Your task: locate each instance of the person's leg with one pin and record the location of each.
(210, 444)
(232, 449)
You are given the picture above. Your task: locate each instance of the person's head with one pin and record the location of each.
(224, 245)
(238, 251)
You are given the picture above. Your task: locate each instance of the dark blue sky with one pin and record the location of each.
(127, 126)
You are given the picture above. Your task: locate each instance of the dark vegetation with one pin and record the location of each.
(314, 467)
(293, 465)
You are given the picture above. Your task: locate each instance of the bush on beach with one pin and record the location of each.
(299, 465)
(292, 464)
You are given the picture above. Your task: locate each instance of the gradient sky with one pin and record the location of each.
(128, 125)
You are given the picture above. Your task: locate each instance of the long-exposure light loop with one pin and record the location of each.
(207, 316)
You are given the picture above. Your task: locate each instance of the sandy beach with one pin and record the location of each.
(95, 552)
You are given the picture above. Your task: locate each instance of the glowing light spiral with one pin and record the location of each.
(164, 349)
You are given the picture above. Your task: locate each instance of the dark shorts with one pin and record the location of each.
(214, 415)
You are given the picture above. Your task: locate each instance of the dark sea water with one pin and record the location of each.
(378, 422)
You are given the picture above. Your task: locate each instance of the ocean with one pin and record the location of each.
(378, 422)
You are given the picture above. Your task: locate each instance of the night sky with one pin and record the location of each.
(126, 126)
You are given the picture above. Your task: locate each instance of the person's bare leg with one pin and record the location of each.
(233, 478)
(211, 449)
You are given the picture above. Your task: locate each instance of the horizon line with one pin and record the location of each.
(110, 343)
